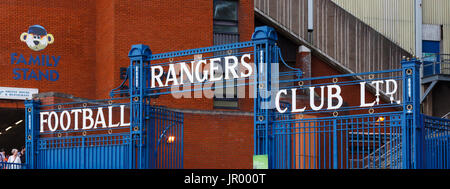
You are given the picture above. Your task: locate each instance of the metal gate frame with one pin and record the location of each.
(105, 148)
(142, 146)
(420, 141)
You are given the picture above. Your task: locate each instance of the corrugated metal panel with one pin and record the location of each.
(394, 19)
(350, 43)
(438, 12)
(225, 38)
(337, 33)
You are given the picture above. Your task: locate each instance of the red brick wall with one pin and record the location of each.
(105, 45)
(93, 39)
(209, 141)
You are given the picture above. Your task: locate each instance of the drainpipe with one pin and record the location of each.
(418, 37)
(303, 61)
(310, 20)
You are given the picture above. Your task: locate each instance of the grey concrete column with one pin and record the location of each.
(303, 61)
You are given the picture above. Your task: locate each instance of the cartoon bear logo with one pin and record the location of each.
(37, 38)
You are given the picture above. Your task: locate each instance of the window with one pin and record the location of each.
(225, 22)
(225, 31)
(225, 16)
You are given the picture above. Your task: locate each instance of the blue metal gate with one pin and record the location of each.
(436, 142)
(159, 144)
(383, 135)
(391, 133)
(152, 138)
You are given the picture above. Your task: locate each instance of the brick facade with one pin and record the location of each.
(93, 39)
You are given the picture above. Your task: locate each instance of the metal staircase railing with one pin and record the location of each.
(385, 157)
(436, 64)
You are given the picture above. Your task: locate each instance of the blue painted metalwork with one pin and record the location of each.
(264, 56)
(154, 138)
(139, 54)
(384, 139)
(347, 141)
(431, 58)
(411, 127)
(133, 147)
(167, 144)
(216, 48)
(388, 135)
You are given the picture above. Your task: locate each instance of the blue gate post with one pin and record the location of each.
(139, 54)
(335, 145)
(264, 54)
(31, 132)
(412, 148)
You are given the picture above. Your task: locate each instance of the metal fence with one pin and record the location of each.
(84, 152)
(389, 134)
(438, 64)
(351, 137)
(344, 143)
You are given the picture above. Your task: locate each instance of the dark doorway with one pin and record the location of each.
(12, 129)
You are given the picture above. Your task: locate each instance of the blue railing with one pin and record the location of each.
(84, 152)
(436, 142)
(349, 142)
(436, 64)
(388, 134)
(105, 147)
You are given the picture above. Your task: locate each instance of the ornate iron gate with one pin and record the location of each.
(382, 135)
